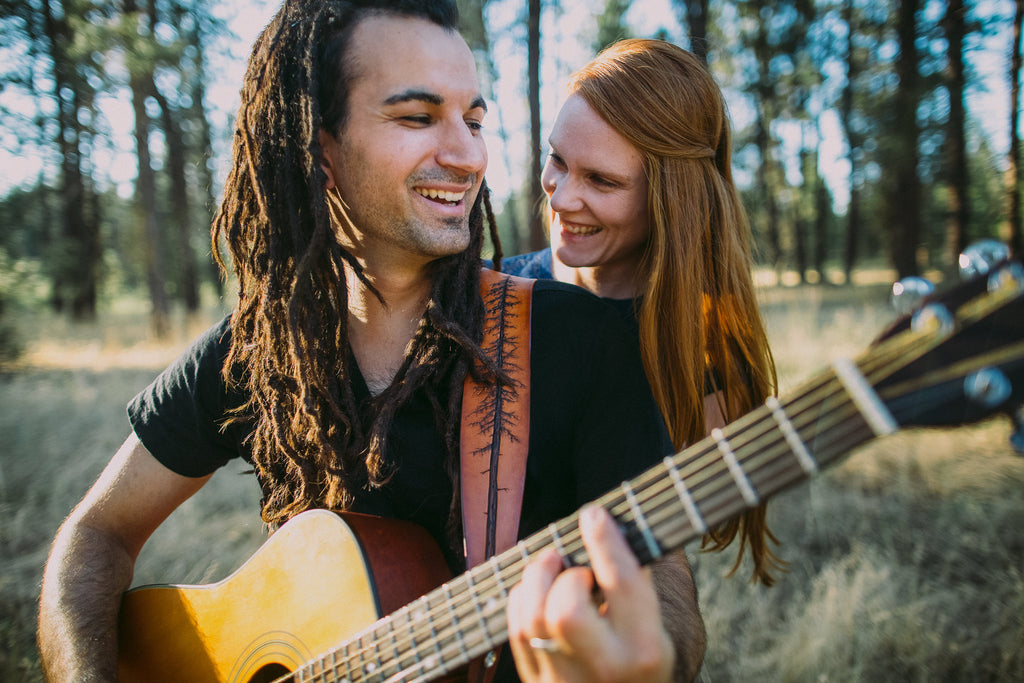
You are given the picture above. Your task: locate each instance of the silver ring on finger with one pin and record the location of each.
(544, 645)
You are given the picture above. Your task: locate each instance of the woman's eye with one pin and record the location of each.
(556, 160)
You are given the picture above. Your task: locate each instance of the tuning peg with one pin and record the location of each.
(1017, 438)
(908, 293)
(1009, 277)
(933, 318)
(979, 257)
(988, 387)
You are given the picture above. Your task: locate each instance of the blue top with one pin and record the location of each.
(537, 265)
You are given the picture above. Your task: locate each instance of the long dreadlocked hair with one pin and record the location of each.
(311, 445)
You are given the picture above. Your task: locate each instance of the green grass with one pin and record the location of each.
(905, 561)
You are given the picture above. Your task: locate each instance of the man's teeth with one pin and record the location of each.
(443, 195)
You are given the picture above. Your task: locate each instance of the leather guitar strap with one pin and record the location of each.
(495, 433)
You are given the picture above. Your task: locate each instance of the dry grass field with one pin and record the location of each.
(905, 562)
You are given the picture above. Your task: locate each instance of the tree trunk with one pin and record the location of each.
(853, 146)
(802, 224)
(204, 151)
(141, 81)
(766, 172)
(538, 239)
(473, 27)
(766, 180)
(1013, 167)
(905, 196)
(956, 137)
(696, 12)
(76, 259)
(188, 281)
(822, 213)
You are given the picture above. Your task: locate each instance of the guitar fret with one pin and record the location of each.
(394, 642)
(334, 663)
(645, 529)
(523, 553)
(425, 614)
(474, 598)
(740, 477)
(414, 648)
(374, 651)
(348, 665)
(557, 539)
(796, 445)
(696, 521)
(496, 570)
(864, 397)
(446, 589)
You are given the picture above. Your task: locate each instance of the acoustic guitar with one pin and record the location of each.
(309, 605)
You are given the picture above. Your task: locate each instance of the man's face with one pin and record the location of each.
(410, 158)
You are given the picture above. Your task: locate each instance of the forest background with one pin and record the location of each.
(867, 133)
(873, 140)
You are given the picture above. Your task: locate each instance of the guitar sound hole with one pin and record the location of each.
(270, 673)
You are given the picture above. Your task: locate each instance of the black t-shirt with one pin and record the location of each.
(593, 422)
(537, 264)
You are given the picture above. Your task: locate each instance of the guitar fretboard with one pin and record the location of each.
(736, 468)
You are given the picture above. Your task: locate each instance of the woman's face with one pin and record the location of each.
(595, 181)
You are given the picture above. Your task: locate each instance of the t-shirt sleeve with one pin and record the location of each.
(178, 417)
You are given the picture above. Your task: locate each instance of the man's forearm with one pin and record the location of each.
(680, 613)
(85, 576)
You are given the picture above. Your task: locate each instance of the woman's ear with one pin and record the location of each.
(327, 145)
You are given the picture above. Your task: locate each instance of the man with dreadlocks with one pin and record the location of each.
(353, 214)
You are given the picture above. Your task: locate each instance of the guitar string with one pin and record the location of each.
(770, 456)
(763, 467)
(567, 538)
(770, 449)
(400, 657)
(396, 644)
(572, 541)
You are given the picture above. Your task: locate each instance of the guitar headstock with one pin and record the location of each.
(967, 350)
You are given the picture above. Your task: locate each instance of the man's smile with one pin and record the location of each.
(450, 198)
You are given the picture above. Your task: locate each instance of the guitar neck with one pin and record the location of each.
(766, 451)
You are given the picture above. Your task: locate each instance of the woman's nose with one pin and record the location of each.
(562, 195)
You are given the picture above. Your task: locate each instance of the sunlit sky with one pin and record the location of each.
(565, 47)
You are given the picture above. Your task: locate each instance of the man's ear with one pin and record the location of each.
(327, 143)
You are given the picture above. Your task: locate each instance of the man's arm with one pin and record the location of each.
(680, 614)
(92, 560)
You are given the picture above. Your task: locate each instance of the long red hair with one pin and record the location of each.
(696, 268)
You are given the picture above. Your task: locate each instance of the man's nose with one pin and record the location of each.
(462, 149)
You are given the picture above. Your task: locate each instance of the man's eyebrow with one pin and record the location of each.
(414, 95)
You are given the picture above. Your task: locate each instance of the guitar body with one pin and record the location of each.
(317, 581)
